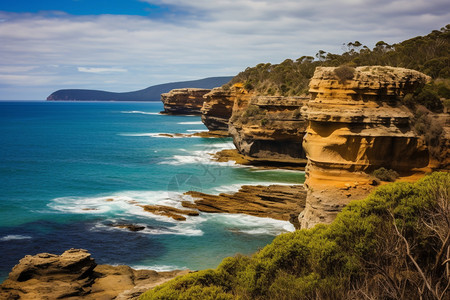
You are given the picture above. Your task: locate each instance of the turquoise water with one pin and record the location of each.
(70, 170)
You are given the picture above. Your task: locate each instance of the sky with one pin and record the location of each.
(126, 45)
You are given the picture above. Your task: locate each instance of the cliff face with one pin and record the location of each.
(357, 125)
(269, 128)
(217, 108)
(184, 101)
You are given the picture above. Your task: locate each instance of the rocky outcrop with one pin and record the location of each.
(357, 124)
(281, 202)
(184, 101)
(269, 128)
(217, 108)
(169, 211)
(75, 275)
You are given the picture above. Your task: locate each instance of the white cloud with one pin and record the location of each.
(203, 38)
(100, 70)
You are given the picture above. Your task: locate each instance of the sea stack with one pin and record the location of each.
(357, 124)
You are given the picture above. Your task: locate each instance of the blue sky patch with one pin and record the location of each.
(87, 7)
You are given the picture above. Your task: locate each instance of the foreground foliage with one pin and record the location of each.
(395, 244)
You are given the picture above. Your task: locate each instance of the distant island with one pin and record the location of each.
(152, 93)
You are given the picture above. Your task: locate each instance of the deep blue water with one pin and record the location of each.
(68, 170)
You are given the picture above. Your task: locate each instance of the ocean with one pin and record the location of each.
(70, 170)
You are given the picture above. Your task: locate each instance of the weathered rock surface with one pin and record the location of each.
(184, 101)
(269, 128)
(217, 108)
(75, 275)
(354, 127)
(130, 227)
(169, 211)
(281, 202)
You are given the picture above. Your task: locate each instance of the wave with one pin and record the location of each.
(140, 112)
(158, 135)
(245, 224)
(191, 123)
(202, 157)
(125, 202)
(12, 237)
(197, 157)
(197, 130)
(185, 228)
(158, 268)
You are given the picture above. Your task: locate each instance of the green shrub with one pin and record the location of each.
(362, 254)
(253, 110)
(385, 174)
(344, 73)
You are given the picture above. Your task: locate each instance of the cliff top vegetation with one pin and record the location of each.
(429, 54)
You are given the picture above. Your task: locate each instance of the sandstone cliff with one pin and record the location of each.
(357, 124)
(184, 101)
(217, 108)
(269, 128)
(75, 275)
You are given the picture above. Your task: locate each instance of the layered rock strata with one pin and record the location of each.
(270, 128)
(184, 101)
(75, 275)
(217, 108)
(281, 202)
(357, 125)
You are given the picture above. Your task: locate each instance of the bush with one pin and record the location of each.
(376, 248)
(344, 73)
(385, 175)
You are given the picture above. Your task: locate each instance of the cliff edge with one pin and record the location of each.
(356, 124)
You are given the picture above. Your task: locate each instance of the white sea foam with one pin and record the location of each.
(128, 204)
(158, 268)
(191, 123)
(197, 157)
(12, 237)
(158, 135)
(240, 223)
(140, 112)
(217, 146)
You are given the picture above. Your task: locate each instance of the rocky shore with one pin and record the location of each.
(281, 202)
(75, 275)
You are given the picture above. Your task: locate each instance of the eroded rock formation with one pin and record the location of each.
(269, 128)
(281, 202)
(75, 275)
(184, 101)
(357, 125)
(217, 108)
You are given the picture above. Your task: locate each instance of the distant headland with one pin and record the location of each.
(152, 93)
